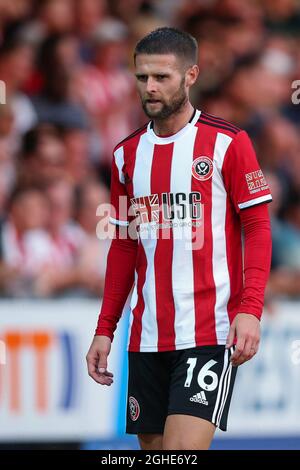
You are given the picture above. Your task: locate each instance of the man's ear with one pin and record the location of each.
(191, 75)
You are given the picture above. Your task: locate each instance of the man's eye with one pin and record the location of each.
(161, 77)
(142, 78)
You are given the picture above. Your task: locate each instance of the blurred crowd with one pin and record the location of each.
(70, 98)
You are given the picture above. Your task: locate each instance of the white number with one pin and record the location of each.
(204, 372)
(192, 361)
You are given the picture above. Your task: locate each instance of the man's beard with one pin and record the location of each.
(179, 100)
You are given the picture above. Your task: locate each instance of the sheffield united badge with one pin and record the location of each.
(202, 168)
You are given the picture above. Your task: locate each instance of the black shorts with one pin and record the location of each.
(197, 382)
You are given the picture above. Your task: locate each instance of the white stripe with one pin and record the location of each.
(218, 217)
(142, 169)
(133, 303)
(226, 357)
(149, 335)
(142, 187)
(119, 159)
(118, 222)
(182, 262)
(253, 202)
(225, 398)
(225, 391)
(224, 394)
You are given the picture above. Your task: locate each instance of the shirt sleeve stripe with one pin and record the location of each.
(257, 200)
(123, 223)
(119, 159)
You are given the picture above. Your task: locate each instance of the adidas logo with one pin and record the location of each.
(199, 398)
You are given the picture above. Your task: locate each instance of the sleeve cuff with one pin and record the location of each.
(250, 311)
(104, 332)
(253, 202)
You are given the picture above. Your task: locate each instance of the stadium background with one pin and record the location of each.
(70, 97)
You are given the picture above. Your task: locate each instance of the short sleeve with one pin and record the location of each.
(243, 178)
(118, 195)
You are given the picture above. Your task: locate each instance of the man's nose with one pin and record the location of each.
(151, 85)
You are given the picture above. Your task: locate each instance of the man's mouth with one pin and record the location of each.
(153, 101)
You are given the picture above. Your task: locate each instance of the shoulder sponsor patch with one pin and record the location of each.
(256, 181)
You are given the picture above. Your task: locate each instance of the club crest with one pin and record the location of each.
(202, 168)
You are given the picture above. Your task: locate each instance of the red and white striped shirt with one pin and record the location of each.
(187, 191)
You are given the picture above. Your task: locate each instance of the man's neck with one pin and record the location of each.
(174, 123)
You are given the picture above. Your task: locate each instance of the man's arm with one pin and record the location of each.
(119, 279)
(257, 261)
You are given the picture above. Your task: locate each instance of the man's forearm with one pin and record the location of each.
(257, 258)
(119, 279)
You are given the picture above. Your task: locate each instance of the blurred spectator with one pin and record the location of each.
(78, 154)
(282, 16)
(66, 239)
(54, 102)
(126, 11)
(7, 163)
(55, 16)
(106, 88)
(89, 14)
(16, 62)
(43, 156)
(7, 176)
(65, 233)
(11, 12)
(93, 211)
(25, 244)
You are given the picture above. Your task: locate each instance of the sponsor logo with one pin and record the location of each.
(202, 168)
(170, 206)
(199, 398)
(146, 208)
(134, 408)
(256, 181)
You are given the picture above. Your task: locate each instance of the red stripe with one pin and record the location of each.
(204, 286)
(136, 329)
(130, 149)
(165, 308)
(234, 259)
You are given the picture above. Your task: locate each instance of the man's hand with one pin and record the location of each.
(246, 328)
(97, 360)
